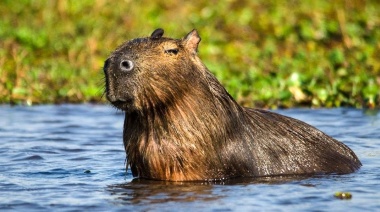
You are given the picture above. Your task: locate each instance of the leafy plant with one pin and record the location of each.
(267, 53)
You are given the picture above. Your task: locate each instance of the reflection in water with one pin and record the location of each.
(141, 191)
(371, 112)
(147, 192)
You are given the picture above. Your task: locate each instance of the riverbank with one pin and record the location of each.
(267, 53)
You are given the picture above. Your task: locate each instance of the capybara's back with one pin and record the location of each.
(182, 125)
(288, 146)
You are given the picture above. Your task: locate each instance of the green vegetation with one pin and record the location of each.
(269, 53)
(343, 195)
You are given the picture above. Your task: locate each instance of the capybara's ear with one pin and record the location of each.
(191, 41)
(157, 33)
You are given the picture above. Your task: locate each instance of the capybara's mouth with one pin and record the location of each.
(122, 104)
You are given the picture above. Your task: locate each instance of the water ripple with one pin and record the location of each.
(33, 157)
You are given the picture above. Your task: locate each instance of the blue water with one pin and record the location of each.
(71, 157)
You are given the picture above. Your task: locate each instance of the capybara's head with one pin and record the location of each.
(152, 71)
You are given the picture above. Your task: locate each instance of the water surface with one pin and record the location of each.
(71, 157)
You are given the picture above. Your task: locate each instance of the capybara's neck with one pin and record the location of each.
(181, 141)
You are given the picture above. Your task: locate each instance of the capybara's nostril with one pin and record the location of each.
(126, 65)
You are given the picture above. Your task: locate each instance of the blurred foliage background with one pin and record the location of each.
(267, 53)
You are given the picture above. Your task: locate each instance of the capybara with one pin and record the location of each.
(182, 125)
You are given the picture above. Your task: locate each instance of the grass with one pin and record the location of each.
(267, 53)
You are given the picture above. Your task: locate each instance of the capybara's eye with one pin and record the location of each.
(172, 51)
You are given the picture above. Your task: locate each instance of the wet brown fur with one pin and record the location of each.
(182, 125)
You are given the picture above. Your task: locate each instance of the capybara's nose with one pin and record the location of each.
(126, 65)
